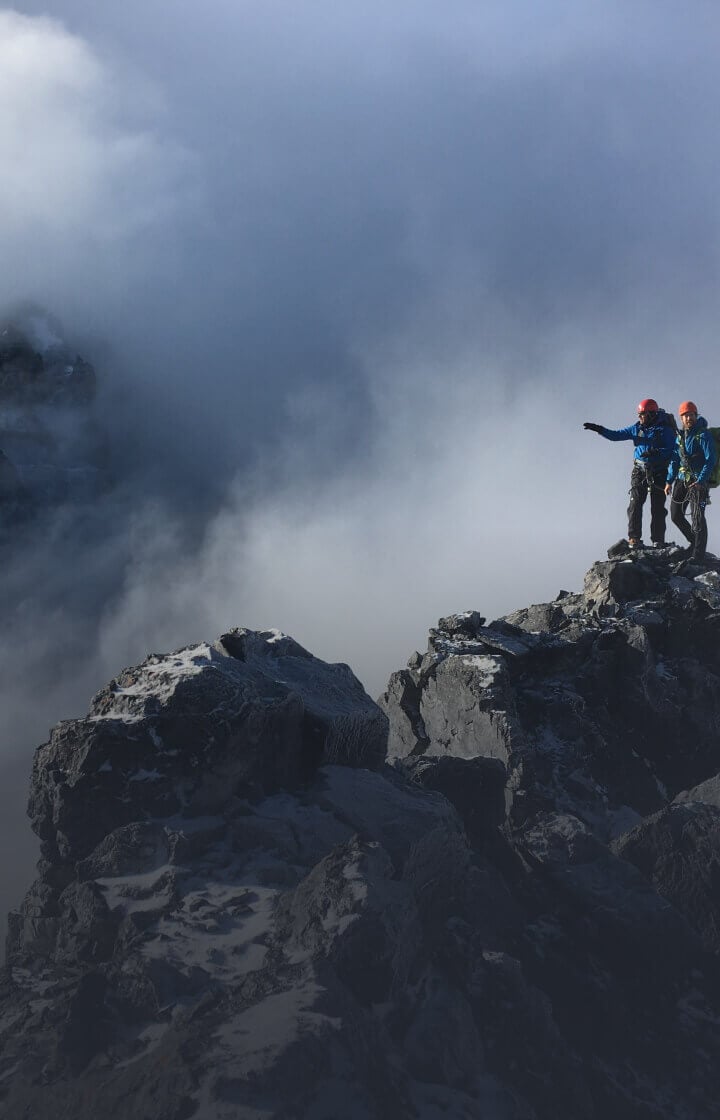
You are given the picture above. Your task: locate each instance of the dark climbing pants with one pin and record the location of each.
(684, 495)
(643, 480)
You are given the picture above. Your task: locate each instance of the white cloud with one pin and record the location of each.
(84, 181)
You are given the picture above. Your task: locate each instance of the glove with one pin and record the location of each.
(592, 427)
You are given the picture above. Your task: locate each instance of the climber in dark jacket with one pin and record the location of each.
(688, 475)
(654, 437)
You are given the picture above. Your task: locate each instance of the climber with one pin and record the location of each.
(654, 436)
(688, 475)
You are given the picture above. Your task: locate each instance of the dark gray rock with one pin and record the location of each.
(242, 910)
(678, 851)
(706, 792)
(587, 701)
(188, 732)
(341, 723)
(614, 582)
(36, 366)
(141, 846)
(466, 707)
(407, 733)
(475, 787)
(54, 449)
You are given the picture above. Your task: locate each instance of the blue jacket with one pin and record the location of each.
(655, 444)
(695, 455)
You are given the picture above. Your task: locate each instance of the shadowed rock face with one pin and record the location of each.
(53, 447)
(37, 368)
(244, 908)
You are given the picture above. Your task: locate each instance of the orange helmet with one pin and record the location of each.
(648, 405)
(687, 406)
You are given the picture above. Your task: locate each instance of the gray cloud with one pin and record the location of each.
(353, 275)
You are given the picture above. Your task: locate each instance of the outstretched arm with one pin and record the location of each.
(608, 433)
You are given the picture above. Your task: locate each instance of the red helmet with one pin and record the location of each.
(687, 406)
(648, 405)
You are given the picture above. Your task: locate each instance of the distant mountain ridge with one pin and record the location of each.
(495, 893)
(53, 445)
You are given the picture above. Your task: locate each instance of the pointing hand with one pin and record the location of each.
(592, 427)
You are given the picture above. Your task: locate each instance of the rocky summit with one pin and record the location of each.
(494, 895)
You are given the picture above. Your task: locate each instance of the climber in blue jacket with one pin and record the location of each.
(654, 436)
(688, 476)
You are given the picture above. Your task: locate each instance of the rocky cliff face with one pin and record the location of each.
(244, 908)
(52, 446)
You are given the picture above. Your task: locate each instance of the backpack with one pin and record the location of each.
(714, 479)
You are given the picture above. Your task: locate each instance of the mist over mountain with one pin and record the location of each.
(349, 281)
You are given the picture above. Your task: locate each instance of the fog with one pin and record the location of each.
(352, 277)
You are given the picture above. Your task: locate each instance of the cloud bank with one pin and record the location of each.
(352, 276)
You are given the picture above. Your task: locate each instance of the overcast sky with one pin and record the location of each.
(352, 276)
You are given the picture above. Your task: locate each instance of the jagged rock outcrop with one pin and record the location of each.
(605, 704)
(53, 446)
(245, 908)
(251, 712)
